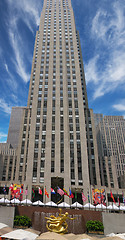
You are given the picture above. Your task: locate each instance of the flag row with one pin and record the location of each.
(97, 195)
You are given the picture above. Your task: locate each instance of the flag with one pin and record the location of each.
(88, 198)
(26, 192)
(33, 193)
(21, 190)
(40, 191)
(118, 201)
(15, 188)
(4, 190)
(65, 192)
(123, 198)
(84, 198)
(70, 194)
(112, 197)
(60, 191)
(46, 193)
(103, 196)
(11, 187)
(76, 195)
(52, 191)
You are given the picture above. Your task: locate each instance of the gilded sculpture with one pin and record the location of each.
(58, 224)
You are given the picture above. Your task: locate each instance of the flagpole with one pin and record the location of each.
(45, 196)
(123, 198)
(94, 198)
(51, 197)
(90, 194)
(112, 200)
(100, 198)
(106, 199)
(88, 198)
(71, 199)
(83, 201)
(118, 200)
(75, 195)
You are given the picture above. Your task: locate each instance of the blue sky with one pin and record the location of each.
(101, 25)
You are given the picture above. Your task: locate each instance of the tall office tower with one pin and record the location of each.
(14, 126)
(56, 146)
(111, 142)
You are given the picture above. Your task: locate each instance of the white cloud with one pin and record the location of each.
(120, 106)
(3, 136)
(11, 81)
(15, 98)
(5, 107)
(108, 32)
(99, 27)
(6, 66)
(91, 70)
(19, 62)
(29, 13)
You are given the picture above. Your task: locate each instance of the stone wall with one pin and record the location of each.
(113, 223)
(77, 226)
(7, 215)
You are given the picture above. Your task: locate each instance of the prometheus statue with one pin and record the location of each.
(58, 224)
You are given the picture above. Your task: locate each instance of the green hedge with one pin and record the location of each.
(94, 226)
(22, 221)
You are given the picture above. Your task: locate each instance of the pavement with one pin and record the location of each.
(71, 236)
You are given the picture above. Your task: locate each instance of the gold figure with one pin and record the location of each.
(58, 224)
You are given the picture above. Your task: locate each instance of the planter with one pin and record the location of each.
(96, 232)
(21, 227)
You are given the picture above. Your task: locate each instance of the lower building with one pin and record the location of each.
(110, 133)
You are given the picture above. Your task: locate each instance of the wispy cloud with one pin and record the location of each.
(92, 70)
(2, 136)
(5, 107)
(120, 106)
(27, 12)
(6, 66)
(108, 32)
(11, 79)
(18, 61)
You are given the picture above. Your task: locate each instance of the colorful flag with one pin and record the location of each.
(65, 192)
(21, 191)
(70, 194)
(123, 198)
(15, 188)
(112, 197)
(26, 192)
(60, 191)
(4, 190)
(46, 193)
(118, 201)
(40, 191)
(98, 196)
(11, 187)
(103, 196)
(33, 193)
(84, 198)
(16, 191)
(88, 198)
(76, 195)
(52, 191)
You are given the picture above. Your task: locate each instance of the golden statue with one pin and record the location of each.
(58, 224)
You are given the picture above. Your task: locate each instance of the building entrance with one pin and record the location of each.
(57, 182)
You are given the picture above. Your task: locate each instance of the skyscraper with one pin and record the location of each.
(110, 132)
(56, 141)
(53, 143)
